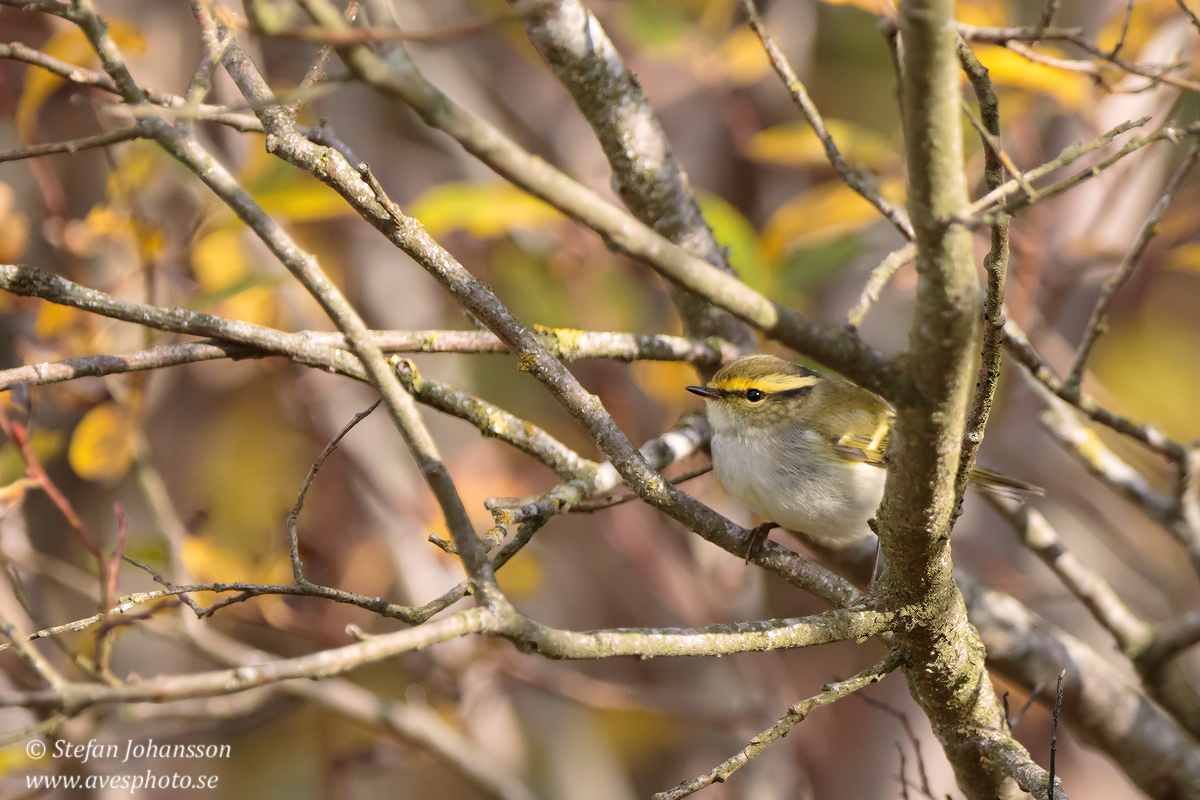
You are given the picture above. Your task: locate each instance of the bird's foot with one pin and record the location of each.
(758, 537)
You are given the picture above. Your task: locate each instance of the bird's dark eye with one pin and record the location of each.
(754, 395)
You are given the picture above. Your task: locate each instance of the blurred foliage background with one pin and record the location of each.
(206, 460)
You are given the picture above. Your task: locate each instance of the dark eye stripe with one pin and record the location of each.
(797, 392)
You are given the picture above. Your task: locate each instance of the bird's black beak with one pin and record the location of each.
(705, 392)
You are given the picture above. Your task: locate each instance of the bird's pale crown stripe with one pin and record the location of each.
(768, 383)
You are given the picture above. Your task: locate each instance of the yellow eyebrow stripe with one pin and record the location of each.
(783, 383)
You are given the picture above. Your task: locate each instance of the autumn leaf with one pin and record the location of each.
(1074, 91)
(796, 144)
(12, 494)
(102, 446)
(482, 210)
(820, 214)
(226, 277)
(70, 45)
(735, 233)
(522, 576)
(739, 60)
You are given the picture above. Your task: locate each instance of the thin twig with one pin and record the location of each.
(1125, 28)
(1058, 698)
(1089, 587)
(75, 145)
(1028, 704)
(1047, 18)
(1099, 459)
(861, 182)
(829, 693)
(1191, 15)
(294, 514)
(1132, 145)
(1029, 33)
(609, 502)
(879, 278)
(1098, 322)
(995, 265)
(567, 344)
(1068, 156)
(336, 35)
(1022, 351)
(913, 740)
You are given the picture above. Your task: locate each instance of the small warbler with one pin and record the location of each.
(805, 450)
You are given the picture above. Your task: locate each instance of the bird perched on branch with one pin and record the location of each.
(806, 450)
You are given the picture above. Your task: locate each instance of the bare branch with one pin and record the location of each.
(919, 499)
(880, 276)
(862, 182)
(645, 172)
(824, 628)
(846, 354)
(1098, 322)
(995, 264)
(830, 693)
(75, 145)
(1023, 352)
(1131, 633)
(1103, 708)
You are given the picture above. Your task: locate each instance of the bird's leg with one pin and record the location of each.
(874, 526)
(757, 537)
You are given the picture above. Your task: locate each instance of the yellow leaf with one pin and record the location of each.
(739, 60)
(664, 381)
(102, 445)
(822, 213)
(482, 210)
(1148, 363)
(796, 144)
(880, 8)
(54, 320)
(209, 562)
(1073, 90)
(522, 576)
(14, 227)
(1185, 258)
(107, 221)
(224, 271)
(983, 12)
(16, 758)
(219, 259)
(138, 164)
(70, 45)
(306, 199)
(637, 733)
(12, 494)
(1145, 23)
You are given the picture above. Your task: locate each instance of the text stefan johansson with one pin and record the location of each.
(137, 750)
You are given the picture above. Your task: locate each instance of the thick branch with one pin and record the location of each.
(1101, 706)
(944, 657)
(646, 175)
